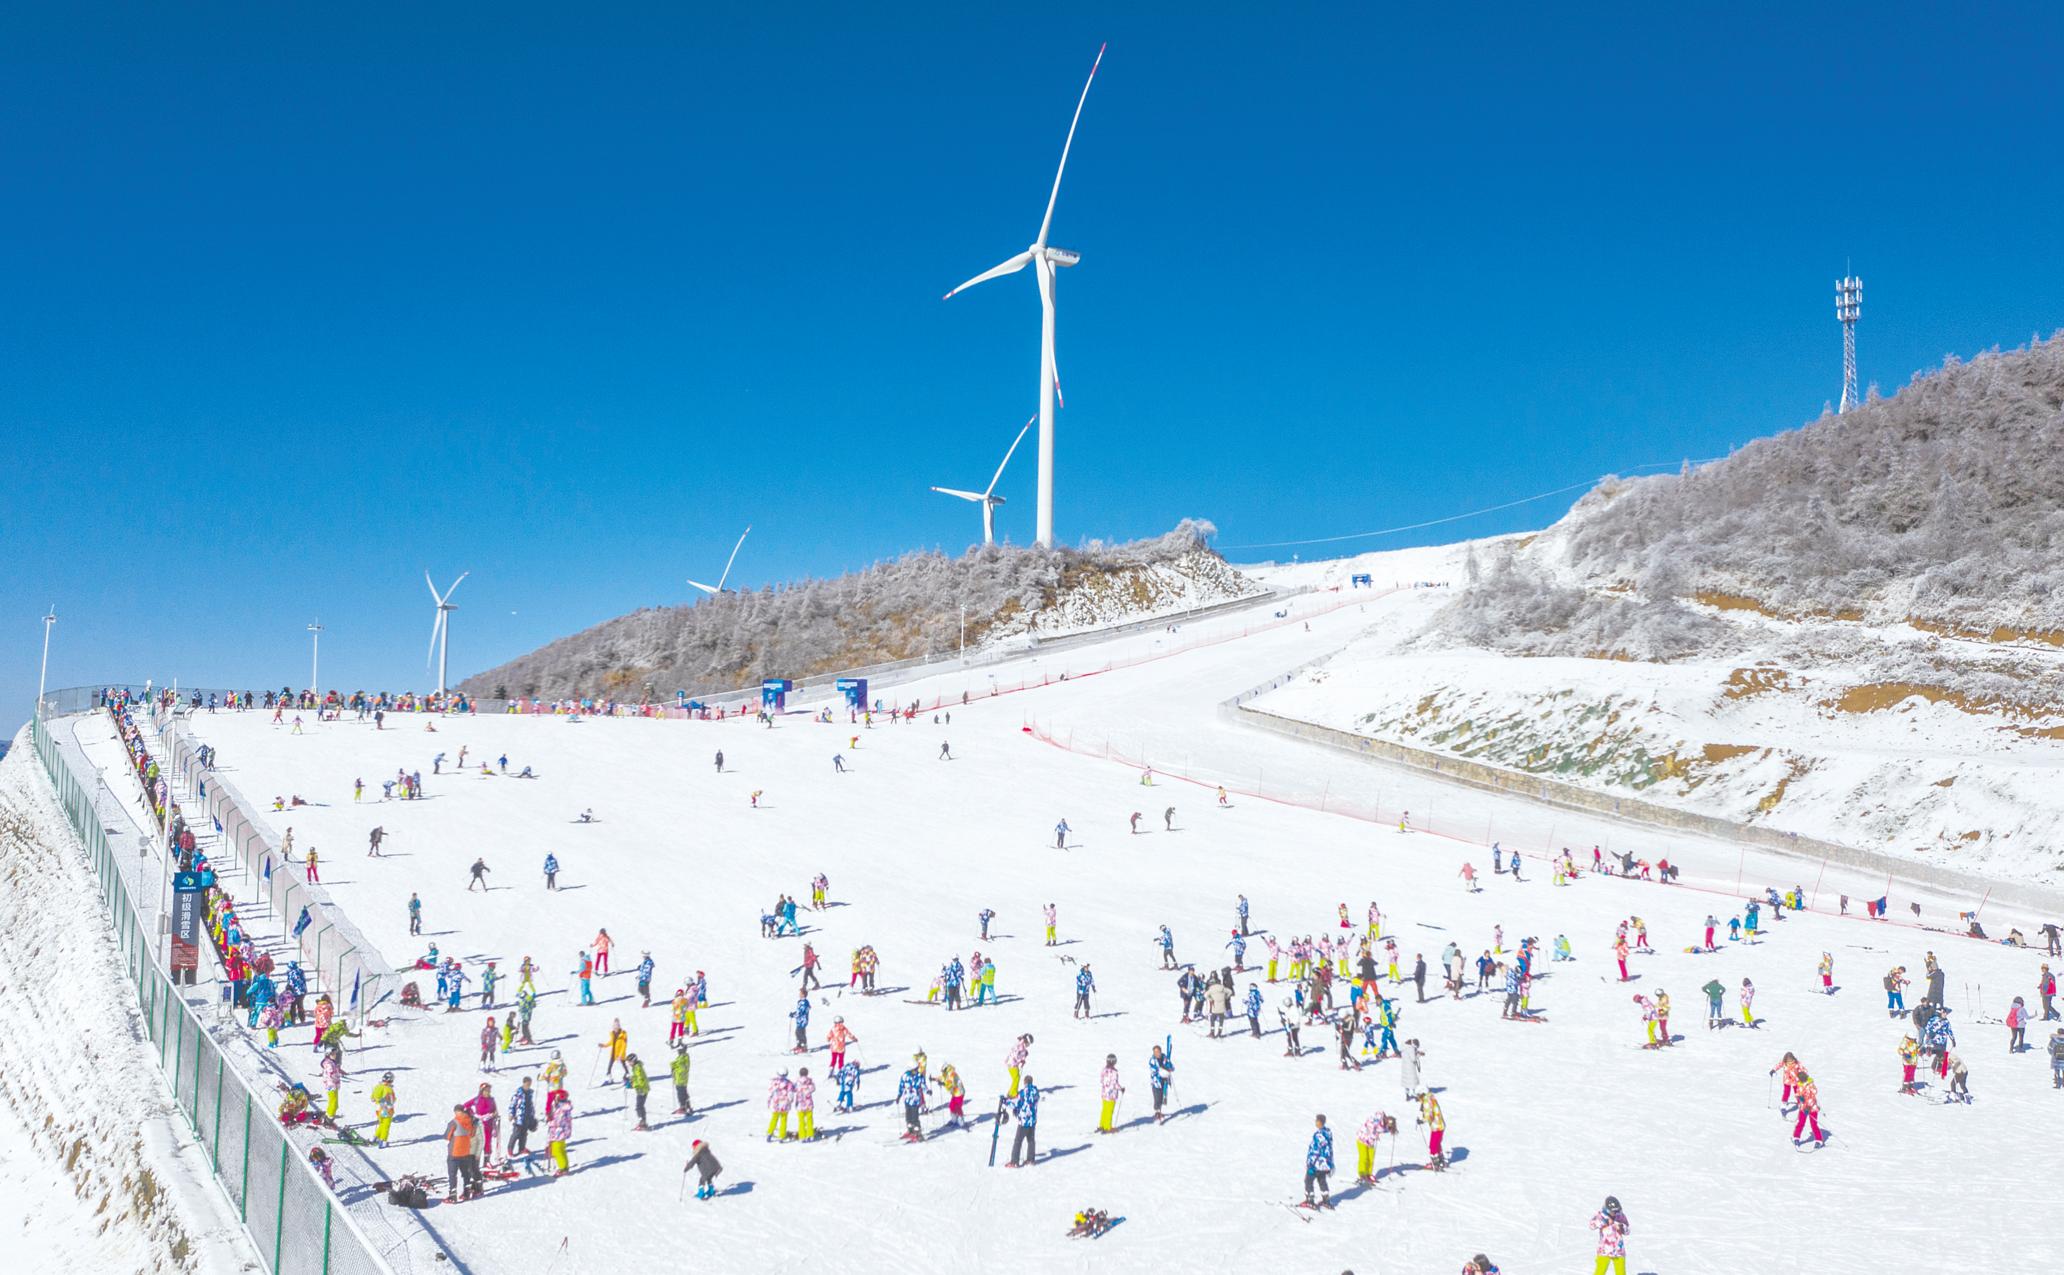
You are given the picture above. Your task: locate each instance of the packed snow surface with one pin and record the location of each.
(1544, 1118)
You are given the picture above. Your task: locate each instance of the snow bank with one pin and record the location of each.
(96, 1168)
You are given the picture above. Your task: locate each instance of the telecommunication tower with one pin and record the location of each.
(1848, 304)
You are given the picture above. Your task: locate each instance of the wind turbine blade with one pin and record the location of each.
(1006, 456)
(1043, 225)
(431, 585)
(706, 588)
(455, 585)
(436, 627)
(733, 558)
(1012, 266)
(964, 495)
(1046, 295)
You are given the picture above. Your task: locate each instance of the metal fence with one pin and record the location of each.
(292, 1219)
(340, 958)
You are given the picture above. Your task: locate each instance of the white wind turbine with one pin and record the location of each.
(440, 628)
(718, 587)
(988, 498)
(1046, 260)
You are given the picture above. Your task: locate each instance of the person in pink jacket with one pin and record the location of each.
(602, 945)
(1612, 1227)
(805, 1105)
(838, 1038)
(1015, 1061)
(780, 1098)
(1108, 1086)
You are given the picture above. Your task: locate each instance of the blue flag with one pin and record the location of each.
(354, 990)
(267, 870)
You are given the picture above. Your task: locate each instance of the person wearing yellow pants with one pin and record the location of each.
(1748, 995)
(1051, 916)
(1108, 1086)
(558, 1128)
(383, 1104)
(333, 1080)
(1015, 1061)
(805, 1105)
(1612, 1227)
(780, 1097)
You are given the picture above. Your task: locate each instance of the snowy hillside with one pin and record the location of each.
(916, 839)
(920, 605)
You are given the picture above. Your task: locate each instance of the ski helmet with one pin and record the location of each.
(1110, 1060)
(387, 1079)
(1612, 1203)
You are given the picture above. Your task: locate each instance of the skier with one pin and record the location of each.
(461, 1154)
(1748, 997)
(2017, 1026)
(1025, 1110)
(1318, 1165)
(720, 761)
(805, 1100)
(985, 916)
(1365, 1145)
(679, 1069)
(383, 1107)
(1436, 1130)
(1161, 1079)
(1909, 1058)
(1254, 1011)
(1085, 983)
(910, 1091)
(645, 979)
(1168, 819)
(415, 914)
(1061, 831)
(780, 1097)
(1109, 1088)
(1809, 1109)
(1612, 1227)
(801, 1016)
(488, 1035)
(956, 1096)
(617, 1047)
(640, 1086)
(704, 1162)
(1014, 1061)
(602, 945)
(1218, 1002)
(558, 1128)
(848, 1078)
(522, 1119)
(1287, 1014)
(836, 1040)
(1051, 916)
(1167, 942)
(1715, 992)
(2057, 1059)
(480, 871)
(586, 973)
(551, 871)
(1895, 1000)
(1827, 973)
(1239, 945)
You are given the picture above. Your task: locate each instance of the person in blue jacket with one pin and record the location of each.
(1025, 1143)
(801, 1015)
(1085, 983)
(1318, 1166)
(910, 1091)
(1167, 942)
(1254, 1011)
(551, 871)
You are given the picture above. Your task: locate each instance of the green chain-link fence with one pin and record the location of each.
(294, 1222)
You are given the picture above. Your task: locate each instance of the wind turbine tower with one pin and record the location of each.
(440, 628)
(1848, 304)
(1047, 261)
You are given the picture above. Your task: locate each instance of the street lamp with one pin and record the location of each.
(314, 657)
(49, 622)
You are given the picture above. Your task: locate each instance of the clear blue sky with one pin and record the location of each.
(293, 307)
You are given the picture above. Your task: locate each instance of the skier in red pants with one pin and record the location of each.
(1809, 1110)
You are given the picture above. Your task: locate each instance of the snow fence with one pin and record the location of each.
(293, 1221)
(340, 959)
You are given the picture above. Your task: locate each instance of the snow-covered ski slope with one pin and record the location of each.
(1544, 1119)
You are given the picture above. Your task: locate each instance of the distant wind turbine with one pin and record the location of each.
(718, 587)
(440, 628)
(988, 498)
(1046, 260)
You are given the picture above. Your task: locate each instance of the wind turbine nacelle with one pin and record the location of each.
(1062, 257)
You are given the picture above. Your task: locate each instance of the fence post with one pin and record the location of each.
(244, 1189)
(279, 1226)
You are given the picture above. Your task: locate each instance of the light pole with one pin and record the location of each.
(314, 657)
(49, 622)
